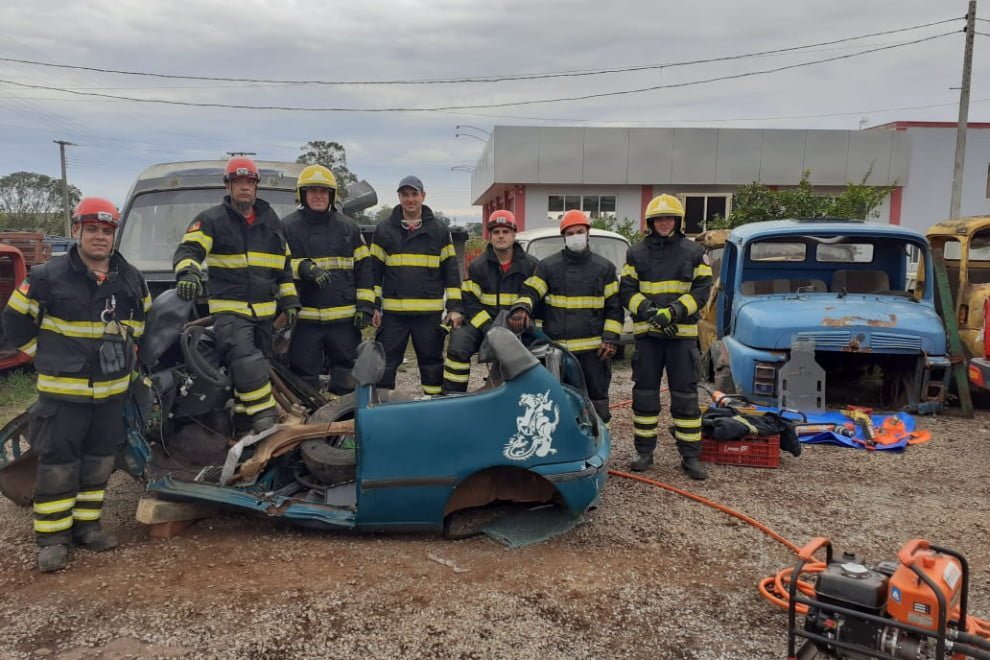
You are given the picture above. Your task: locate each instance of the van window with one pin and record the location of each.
(613, 249)
(156, 221)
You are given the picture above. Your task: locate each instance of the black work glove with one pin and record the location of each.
(189, 285)
(362, 320)
(115, 349)
(310, 271)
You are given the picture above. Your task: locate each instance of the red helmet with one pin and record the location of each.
(574, 218)
(96, 209)
(240, 166)
(502, 218)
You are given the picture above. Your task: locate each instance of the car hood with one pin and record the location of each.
(856, 322)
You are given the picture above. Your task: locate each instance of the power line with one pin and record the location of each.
(474, 79)
(447, 108)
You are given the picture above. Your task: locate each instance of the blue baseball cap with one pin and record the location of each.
(410, 182)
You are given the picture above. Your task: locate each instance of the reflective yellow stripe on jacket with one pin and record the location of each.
(82, 387)
(412, 304)
(324, 314)
(265, 310)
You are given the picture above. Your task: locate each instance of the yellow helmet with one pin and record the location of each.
(316, 176)
(664, 205)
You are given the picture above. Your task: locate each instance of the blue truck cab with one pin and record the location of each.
(846, 286)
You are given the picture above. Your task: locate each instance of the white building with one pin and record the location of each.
(540, 172)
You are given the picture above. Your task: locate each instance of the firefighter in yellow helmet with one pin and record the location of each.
(333, 276)
(666, 279)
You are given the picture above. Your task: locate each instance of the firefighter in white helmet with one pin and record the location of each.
(665, 281)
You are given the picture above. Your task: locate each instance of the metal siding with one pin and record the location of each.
(974, 192)
(561, 156)
(736, 162)
(869, 151)
(605, 155)
(825, 155)
(517, 154)
(694, 154)
(926, 200)
(650, 161)
(781, 157)
(483, 175)
(900, 158)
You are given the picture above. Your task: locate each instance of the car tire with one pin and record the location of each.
(332, 460)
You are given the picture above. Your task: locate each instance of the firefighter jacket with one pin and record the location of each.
(488, 289)
(661, 271)
(415, 270)
(249, 272)
(58, 315)
(580, 294)
(333, 242)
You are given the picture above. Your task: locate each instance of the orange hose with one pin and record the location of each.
(776, 587)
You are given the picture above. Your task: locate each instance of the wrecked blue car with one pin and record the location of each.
(369, 460)
(844, 290)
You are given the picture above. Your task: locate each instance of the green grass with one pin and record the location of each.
(16, 393)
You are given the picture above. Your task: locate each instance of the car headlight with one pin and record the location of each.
(765, 378)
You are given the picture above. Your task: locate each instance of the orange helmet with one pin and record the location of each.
(240, 166)
(502, 218)
(96, 209)
(573, 218)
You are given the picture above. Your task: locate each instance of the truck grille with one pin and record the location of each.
(889, 341)
(828, 340)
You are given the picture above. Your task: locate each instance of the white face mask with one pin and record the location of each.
(576, 242)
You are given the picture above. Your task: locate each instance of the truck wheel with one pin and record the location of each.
(721, 371)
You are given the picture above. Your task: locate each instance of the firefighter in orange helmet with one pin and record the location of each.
(79, 316)
(582, 312)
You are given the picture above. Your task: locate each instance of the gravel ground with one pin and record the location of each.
(649, 573)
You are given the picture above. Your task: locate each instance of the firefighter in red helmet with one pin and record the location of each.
(245, 248)
(492, 285)
(79, 316)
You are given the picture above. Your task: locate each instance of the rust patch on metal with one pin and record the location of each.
(843, 321)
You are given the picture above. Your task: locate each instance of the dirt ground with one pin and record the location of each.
(649, 574)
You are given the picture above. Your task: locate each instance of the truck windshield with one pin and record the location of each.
(155, 222)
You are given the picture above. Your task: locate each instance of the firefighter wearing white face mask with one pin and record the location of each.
(582, 312)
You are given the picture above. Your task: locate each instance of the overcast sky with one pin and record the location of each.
(392, 40)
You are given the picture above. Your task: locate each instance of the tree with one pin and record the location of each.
(626, 227)
(29, 200)
(332, 156)
(756, 202)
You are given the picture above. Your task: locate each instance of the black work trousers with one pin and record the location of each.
(679, 357)
(244, 345)
(427, 338)
(597, 378)
(464, 342)
(76, 444)
(325, 348)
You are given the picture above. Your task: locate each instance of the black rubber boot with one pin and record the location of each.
(53, 558)
(263, 421)
(694, 469)
(95, 539)
(644, 459)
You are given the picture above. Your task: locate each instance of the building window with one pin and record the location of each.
(595, 206)
(699, 210)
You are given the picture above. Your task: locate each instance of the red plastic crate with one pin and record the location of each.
(751, 451)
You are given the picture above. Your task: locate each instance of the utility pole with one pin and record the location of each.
(62, 144)
(957, 169)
